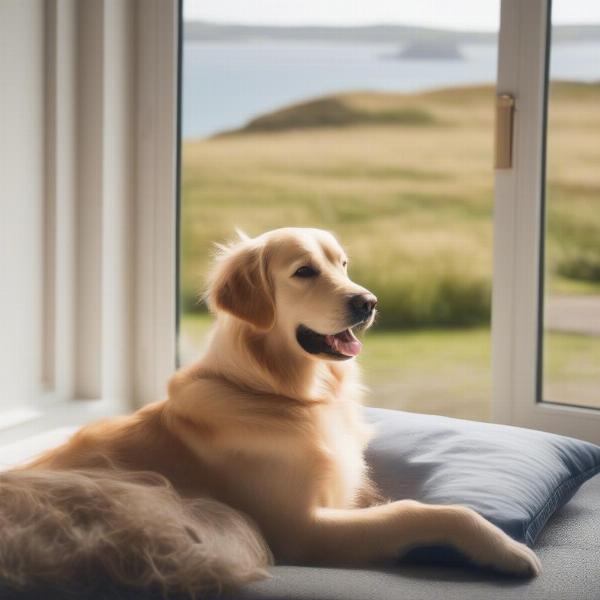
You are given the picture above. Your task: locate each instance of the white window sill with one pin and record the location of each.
(24, 433)
(16, 453)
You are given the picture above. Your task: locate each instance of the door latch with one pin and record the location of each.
(505, 111)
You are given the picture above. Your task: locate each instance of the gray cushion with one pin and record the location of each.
(569, 548)
(514, 477)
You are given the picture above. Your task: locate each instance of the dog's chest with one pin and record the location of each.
(343, 464)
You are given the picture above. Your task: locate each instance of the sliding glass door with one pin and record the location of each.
(546, 308)
(570, 372)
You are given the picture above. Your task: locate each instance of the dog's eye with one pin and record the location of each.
(344, 264)
(305, 272)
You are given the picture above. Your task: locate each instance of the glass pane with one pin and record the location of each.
(386, 140)
(571, 366)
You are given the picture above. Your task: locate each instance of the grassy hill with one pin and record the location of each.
(405, 180)
(338, 111)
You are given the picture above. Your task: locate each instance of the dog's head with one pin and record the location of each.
(294, 283)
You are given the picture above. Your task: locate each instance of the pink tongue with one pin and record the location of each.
(344, 343)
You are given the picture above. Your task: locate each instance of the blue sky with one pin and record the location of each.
(453, 14)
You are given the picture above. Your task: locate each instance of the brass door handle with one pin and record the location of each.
(505, 110)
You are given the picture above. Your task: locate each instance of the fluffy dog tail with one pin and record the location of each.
(74, 527)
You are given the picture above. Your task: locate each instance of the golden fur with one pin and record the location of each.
(258, 424)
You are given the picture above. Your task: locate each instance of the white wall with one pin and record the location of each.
(21, 193)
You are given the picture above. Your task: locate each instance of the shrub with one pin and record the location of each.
(574, 252)
(439, 287)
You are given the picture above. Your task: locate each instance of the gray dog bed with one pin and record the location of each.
(569, 548)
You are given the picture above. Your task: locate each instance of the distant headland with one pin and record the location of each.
(429, 50)
(204, 31)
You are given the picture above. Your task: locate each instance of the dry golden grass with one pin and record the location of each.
(412, 201)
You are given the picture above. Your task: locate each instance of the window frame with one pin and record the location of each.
(109, 259)
(517, 303)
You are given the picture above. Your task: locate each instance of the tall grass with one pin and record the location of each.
(409, 196)
(435, 287)
(573, 225)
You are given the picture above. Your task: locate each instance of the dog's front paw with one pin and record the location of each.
(488, 546)
(517, 559)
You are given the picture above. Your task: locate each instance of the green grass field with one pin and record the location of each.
(406, 183)
(442, 371)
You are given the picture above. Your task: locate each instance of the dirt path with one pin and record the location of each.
(573, 314)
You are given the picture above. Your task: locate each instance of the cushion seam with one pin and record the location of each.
(550, 506)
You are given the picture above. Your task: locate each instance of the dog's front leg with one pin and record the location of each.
(361, 536)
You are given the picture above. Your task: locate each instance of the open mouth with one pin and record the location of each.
(342, 345)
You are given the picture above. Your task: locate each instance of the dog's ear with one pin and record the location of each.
(239, 284)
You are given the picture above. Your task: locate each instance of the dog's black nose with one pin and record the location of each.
(362, 305)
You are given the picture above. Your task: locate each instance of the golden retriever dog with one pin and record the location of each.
(257, 452)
